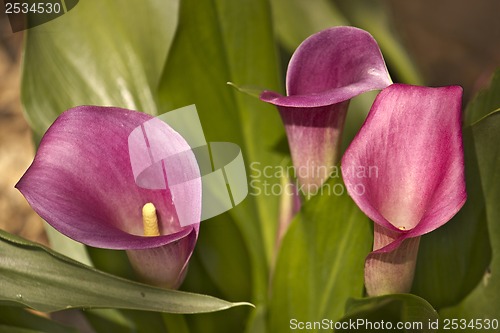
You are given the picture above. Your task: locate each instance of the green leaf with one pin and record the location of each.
(257, 321)
(99, 53)
(36, 277)
(224, 257)
(199, 280)
(20, 318)
(483, 302)
(321, 261)
(486, 101)
(390, 309)
(359, 107)
(145, 321)
(112, 262)
(63, 244)
(371, 15)
(175, 323)
(13, 329)
(453, 258)
(314, 16)
(109, 320)
(220, 41)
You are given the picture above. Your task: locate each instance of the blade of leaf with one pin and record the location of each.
(220, 41)
(13, 329)
(257, 321)
(484, 301)
(321, 261)
(61, 243)
(224, 257)
(313, 16)
(145, 321)
(37, 277)
(175, 323)
(109, 320)
(18, 317)
(100, 53)
(395, 308)
(198, 280)
(485, 102)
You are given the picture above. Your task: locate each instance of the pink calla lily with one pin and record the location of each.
(325, 72)
(413, 138)
(81, 182)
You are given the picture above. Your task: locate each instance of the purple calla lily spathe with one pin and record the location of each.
(325, 72)
(412, 137)
(81, 182)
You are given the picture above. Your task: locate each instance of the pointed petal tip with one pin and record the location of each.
(85, 189)
(420, 181)
(343, 61)
(332, 66)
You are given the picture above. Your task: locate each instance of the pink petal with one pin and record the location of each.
(81, 181)
(330, 67)
(412, 143)
(325, 72)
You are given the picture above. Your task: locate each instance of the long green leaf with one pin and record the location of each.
(390, 310)
(109, 320)
(224, 257)
(14, 329)
(36, 277)
(100, 52)
(314, 16)
(20, 318)
(199, 281)
(484, 301)
(321, 261)
(220, 41)
(486, 101)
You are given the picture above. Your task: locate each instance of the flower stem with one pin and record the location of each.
(390, 272)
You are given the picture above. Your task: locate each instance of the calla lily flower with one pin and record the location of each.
(81, 182)
(325, 72)
(412, 137)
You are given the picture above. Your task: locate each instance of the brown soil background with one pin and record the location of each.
(16, 146)
(451, 41)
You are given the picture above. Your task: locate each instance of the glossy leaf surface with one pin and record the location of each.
(62, 283)
(321, 261)
(220, 41)
(484, 301)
